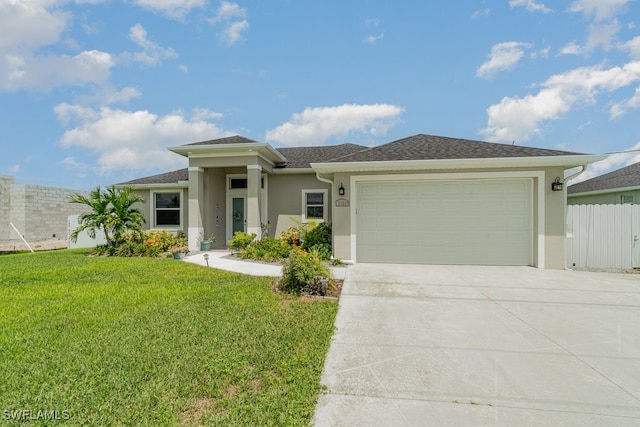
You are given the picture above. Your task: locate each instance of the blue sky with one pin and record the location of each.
(93, 91)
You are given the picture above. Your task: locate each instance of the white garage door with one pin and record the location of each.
(482, 222)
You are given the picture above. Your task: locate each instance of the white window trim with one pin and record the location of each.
(153, 225)
(325, 205)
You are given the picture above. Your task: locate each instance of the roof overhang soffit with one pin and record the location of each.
(439, 164)
(260, 149)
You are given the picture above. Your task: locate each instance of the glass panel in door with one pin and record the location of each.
(237, 205)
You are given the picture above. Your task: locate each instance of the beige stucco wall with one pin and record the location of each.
(240, 162)
(285, 199)
(555, 221)
(342, 218)
(215, 212)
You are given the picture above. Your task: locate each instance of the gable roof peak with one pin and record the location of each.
(233, 139)
(432, 147)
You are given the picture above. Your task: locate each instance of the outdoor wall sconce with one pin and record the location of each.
(341, 190)
(556, 185)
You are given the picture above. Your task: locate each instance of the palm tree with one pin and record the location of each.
(124, 217)
(112, 212)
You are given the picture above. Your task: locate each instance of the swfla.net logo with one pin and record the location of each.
(30, 415)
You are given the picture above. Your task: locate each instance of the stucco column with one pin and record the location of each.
(196, 206)
(254, 173)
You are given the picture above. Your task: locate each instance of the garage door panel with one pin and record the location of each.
(453, 222)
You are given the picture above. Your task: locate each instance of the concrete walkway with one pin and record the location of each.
(220, 259)
(463, 345)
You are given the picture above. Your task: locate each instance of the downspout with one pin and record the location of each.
(570, 177)
(328, 181)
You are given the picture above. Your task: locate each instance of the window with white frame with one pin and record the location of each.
(314, 205)
(166, 207)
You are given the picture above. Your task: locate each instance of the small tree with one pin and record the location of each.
(112, 212)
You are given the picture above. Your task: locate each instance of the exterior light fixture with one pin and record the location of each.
(206, 258)
(556, 185)
(341, 190)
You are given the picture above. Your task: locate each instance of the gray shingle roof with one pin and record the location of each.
(302, 157)
(430, 147)
(164, 178)
(417, 147)
(235, 139)
(626, 177)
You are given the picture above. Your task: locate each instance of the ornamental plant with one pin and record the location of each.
(302, 272)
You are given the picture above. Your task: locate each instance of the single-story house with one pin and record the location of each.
(422, 199)
(614, 188)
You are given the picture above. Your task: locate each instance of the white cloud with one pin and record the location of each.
(542, 53)
(573, 48)
(228, 11)
(530, 5)
(481, 13)
(232, 17)
(153, 52)
(633, 46)
(107, 95)
(73, 163)
(503, 57)
(615, 161)
(13, 169)
(29, 25)
(602, 34)
(371, 39)
(604, 25)
(599, 10)
(316, 125)
(172, 8)
(233, 32)
(134, 140)
(517, 119)
(620, 108)
(45, 72)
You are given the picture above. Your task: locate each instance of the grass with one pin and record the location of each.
(122, 341)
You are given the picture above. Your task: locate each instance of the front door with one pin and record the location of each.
(238, 221)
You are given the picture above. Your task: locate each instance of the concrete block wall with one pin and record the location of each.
(5, 206)
(41, 213)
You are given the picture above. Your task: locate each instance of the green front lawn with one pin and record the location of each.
(138, 341)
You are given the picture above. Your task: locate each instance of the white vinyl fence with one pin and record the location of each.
(84, 241)
(603, 236)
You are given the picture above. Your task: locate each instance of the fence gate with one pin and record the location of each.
(603, 236)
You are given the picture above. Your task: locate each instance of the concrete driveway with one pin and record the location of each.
(463, 345)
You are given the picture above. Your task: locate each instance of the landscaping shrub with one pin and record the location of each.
(304, 272)
(318, 238)
(241, 240)
(152, 243)
(163, 240)
(291, 236)
(267, 249)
